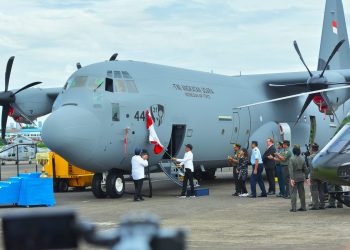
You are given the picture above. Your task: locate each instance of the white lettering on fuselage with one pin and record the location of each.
(194, 91)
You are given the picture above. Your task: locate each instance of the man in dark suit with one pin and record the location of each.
(269, 164)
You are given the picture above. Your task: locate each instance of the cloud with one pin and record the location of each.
(49, 37)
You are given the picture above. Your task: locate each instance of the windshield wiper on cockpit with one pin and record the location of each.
(98, 86)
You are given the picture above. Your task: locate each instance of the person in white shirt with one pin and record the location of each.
(187, 162)
(138, 163)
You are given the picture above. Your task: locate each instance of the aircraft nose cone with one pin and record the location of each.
(72, 132)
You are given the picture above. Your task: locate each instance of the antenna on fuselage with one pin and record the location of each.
(113, 57)
(78, 65)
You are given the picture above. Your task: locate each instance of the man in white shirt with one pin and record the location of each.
(187, 162)
(138, 163)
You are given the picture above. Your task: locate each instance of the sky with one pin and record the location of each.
(227, 37)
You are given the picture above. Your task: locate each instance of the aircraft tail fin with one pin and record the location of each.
(334, 30)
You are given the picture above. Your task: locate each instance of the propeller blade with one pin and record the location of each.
(335, 50)
(329, 105)
(8, 72)
(4, 116)
(78, 65)
(113, 57)
(27, 86)
(301, 57)
(306, 104)
(289, 85)
(294, 96)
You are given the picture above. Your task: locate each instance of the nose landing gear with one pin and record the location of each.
(110, 184)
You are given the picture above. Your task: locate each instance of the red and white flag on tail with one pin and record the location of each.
(153, 138)
(335, 27)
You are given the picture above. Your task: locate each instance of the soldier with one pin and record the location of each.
(331, 200)
(317, 192)
(297, 172)
(234, 160)
(284, 157)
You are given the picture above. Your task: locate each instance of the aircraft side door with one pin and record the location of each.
(241, 126)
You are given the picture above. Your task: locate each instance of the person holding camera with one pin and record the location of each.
(138, 163)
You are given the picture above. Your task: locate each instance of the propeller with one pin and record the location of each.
(316, 82)
(113, 57)
(8, 98)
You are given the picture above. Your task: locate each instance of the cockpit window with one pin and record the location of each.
(76, 82)
(117, 74)
(126, 75)
(120, 86)
(131, 86)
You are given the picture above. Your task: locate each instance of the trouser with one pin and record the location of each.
(242, 189)
(257, 178)
(317, 193)
(333, 188)
(138, 187)
(286, 180)
(279, 173)
(270, 175)
(188, 177)
(235, 179)
(298, 187)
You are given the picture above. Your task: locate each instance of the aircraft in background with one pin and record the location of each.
(99, 116)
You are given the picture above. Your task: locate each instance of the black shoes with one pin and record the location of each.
(314, 208)
(331, 206)
(292, 210)
(262, 195)
(251, 196)
(136, 199)
(271, 193)
(235, 194)
(302, 209)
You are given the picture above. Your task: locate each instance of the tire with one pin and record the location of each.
(97, 189)
(62, 185)
(209, 174)
(115, 185)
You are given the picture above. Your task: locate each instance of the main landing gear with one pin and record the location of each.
(343, 197)
(111, 184)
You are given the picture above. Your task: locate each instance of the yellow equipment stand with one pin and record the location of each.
(64, 174)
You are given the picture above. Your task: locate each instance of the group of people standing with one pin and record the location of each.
(289, 166)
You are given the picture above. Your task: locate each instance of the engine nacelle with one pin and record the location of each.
(32, 103)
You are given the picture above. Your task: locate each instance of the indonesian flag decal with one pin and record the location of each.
(335, 27)
(153, 138)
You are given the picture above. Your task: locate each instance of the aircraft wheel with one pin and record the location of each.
(62, 185)
(115, 185)
(209, 174)
(98, 189)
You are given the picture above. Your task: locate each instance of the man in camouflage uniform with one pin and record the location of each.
(283, 157)
(298, 172)
(234, 160)
(317, 192)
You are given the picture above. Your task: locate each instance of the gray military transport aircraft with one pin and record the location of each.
(98, 117)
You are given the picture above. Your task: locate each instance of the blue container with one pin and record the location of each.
(9, 191)
(201, 191)
(36, 191)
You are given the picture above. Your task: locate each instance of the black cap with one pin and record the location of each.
(255, 142)
(280, 143)
(144, 152)
(315, 146)
(237, 145)
(286, 142)
(137, 151)
(189, 146)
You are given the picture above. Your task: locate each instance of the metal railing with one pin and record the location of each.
(17, 156)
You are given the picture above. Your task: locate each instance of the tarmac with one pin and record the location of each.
(217, 221)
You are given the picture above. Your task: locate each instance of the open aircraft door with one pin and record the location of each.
(241, 125)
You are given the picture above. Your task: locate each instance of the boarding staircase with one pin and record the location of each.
(174, 173)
